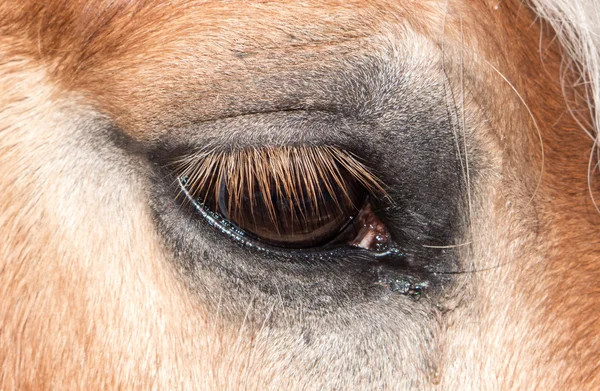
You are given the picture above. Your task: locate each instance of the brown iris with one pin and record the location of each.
(293, 197)
(306, 220)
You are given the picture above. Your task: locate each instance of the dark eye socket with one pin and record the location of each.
(287, 197)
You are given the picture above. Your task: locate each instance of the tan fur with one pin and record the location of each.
(88, 295)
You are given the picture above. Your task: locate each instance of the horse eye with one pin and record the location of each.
(303, 220)
(288, 198)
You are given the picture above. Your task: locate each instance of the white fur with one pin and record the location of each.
(577, 24)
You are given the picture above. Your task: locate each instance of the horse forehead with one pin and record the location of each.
(144, 61)
(116, 34)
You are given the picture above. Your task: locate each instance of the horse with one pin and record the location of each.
(373, 194)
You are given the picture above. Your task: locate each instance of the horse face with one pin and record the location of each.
(465, 256)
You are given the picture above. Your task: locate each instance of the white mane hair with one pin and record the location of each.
(577, 24)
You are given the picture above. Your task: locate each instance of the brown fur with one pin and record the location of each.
(88, 297)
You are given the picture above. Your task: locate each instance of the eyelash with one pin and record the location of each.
(301, 188)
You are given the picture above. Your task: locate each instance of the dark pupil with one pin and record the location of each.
(304, 219)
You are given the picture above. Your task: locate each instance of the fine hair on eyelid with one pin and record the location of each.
(300, 175)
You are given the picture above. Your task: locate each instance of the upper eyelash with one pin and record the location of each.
(285, 170)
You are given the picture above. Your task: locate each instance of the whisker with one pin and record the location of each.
(455, 118)
(450, 245)
(463, 124)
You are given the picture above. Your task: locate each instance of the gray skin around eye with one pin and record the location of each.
(404, 128)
